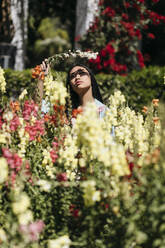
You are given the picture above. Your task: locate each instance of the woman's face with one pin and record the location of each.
(80, 79)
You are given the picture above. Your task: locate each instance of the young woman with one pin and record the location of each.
(82, 87)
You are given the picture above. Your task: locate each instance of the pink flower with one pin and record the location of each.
(35, 130)
(32, 230)
(53, 155)
(30, 109)
(7, 153)
(15, 123)
(62, 177)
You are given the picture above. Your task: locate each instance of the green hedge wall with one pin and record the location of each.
(139, 87)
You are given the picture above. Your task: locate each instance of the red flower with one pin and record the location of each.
(109, 12)
(103, 52)
(74, 211)
(155, 1)
(127, 4)
(125, 16)
(140, 59)
(138, 34)
(151, 36)
(1, 122)
(110, 49)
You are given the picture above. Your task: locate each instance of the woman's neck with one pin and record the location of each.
(85, 98)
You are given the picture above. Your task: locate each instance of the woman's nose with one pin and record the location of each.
(78, 75)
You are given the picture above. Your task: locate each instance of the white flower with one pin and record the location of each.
(25, 218)
(3, 170)
(3, 237)
(23, 94)
(61, 242)
(8, 116)
(44, 185)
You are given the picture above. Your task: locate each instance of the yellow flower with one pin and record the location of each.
(3, 138)
(90, 193)
(55, 90)
(61, 242)
(21, 204)
(3, 170)
(3, 237)
(23, 94)
(25, 218)
(2, 81)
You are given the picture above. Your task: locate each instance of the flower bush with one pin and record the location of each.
(117, 32)
(65, 185)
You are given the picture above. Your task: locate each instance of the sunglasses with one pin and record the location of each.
(80, 72)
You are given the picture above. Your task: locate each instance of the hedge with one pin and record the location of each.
(139, 87)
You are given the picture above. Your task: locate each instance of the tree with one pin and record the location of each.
(85, 12)
(19, 14)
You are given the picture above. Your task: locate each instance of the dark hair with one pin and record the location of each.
(74, 96)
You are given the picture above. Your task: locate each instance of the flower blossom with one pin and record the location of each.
(2, 81)
(32, 230)
(30, 109)
(61, 242)
(3, 170)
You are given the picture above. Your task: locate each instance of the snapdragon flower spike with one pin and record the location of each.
(35, 130)
(37, 73)
(14, 123)
(30, 109)
(53, 155)
(14, 162)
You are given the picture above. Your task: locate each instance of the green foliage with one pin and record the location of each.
(54, 38)
(139, 87)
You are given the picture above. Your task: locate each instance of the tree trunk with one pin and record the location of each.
(85, 12)
(19, 14)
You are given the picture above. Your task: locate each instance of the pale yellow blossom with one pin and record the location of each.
(2, 81)
(61, 242)
(3, 170)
